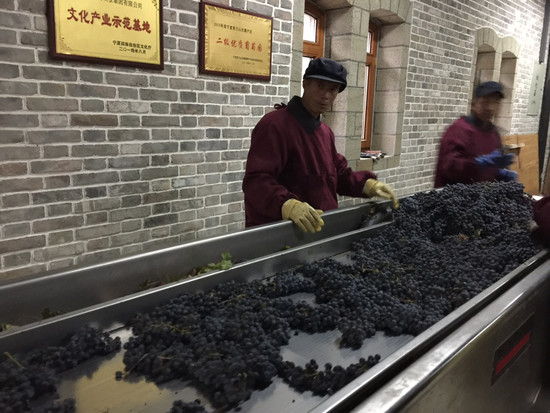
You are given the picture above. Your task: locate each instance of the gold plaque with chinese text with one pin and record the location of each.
(123, 32)
(235, 43)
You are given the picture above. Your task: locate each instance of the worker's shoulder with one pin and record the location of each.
(277, 111)
(461, 122)
(458, 127)
(276, 116)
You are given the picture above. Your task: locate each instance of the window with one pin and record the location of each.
(370, 77)
(314, 31)
(314, 34)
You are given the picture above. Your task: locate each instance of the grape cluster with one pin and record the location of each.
(467, 211)
(26, 378)
(180, 406)
(446, 247)
(326, 381)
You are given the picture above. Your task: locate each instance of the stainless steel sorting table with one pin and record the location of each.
(104, 296)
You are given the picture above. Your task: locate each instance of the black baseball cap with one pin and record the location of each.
(487, 88)
(327, 69)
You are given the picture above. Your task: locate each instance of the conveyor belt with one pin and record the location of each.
(95, 388)
(24, 300)
(119, 311)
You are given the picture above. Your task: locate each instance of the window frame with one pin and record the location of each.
(370, 82)
(315, 49)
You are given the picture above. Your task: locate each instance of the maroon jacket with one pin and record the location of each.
(293, 155)
(461, 143)
(541, 215)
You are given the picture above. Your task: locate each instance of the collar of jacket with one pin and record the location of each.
(306, 121)
(472, 119)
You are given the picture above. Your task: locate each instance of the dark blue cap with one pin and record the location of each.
(327, 69)
(487, 88)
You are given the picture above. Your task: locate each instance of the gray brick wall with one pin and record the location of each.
(99, 161)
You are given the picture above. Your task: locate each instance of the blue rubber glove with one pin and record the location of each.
(495, 158)
(507, 175)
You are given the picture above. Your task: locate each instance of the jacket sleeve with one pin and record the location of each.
(264, 195)
(350, 183)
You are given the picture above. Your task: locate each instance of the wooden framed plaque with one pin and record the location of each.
(119, 32)
(234, 42)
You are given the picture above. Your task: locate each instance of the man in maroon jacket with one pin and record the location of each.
(471, 149)
(293, 170)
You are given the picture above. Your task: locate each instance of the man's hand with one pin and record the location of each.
(376, 188)
(507, 175)
(304, 215)
(495, 158)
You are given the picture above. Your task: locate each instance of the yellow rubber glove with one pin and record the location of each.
(376, 188)
(304, 215)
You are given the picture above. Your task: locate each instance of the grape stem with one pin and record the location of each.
(8, 355)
